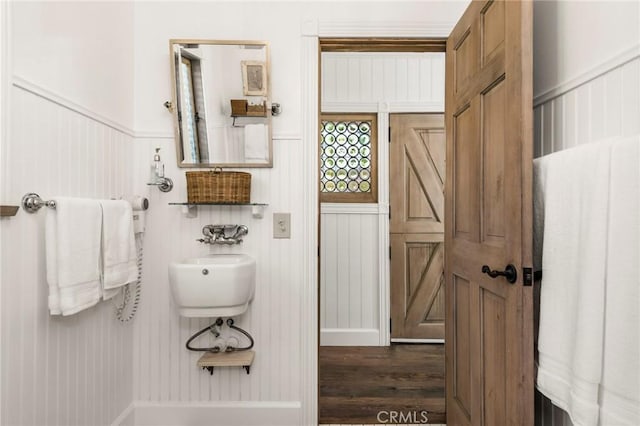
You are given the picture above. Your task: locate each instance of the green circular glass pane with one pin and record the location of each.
(353, 174)
(364, 162)
(364, 186)
(330, 174)
(341, 127)
(353, 163)
(364, 139)
(330, 186)
(342, 174)
(329, 126)
(342, 139)
(353, 127)
(342, 186)
(365, 151)
(329, 162)
(329, 139)
(353, 139)
(329, 151)
(341, 151)
(364, 174)
(353, 186)
(341, 162)
(364, 127)
(353, 151)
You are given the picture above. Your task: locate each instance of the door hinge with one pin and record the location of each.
(389, 134)
(389, 252)
(390, 325)
(318, 251)
(529, 276)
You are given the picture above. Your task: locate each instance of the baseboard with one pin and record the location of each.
(349, 337)
(231, 413)
(126, 418)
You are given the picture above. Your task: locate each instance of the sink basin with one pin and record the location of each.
(218, 285)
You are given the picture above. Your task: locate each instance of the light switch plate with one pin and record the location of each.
(282, 225)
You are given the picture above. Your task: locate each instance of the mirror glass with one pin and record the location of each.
(221, 103)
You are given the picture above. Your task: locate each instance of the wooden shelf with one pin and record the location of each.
(242, 359)
(7, 211)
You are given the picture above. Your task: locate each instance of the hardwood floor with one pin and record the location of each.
(403, 380)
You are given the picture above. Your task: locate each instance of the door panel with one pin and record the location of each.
(489, 331)
(417, 164)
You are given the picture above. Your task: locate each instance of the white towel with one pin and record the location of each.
(72, 240)
(118, 246)
(256, 147)
(620, 387)
(575, 184)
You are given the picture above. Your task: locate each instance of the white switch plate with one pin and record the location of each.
(282, 225)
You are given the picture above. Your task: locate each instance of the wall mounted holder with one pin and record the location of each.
(6, 211)
(164, 184)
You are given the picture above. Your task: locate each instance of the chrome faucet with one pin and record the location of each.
(223, 234)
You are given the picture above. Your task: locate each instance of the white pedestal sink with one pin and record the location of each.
(217, 285)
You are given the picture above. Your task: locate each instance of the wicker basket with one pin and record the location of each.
(217, 186)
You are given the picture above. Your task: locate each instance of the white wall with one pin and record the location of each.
(166, 375)
(79, 50)
(354, 296)
(69, 97)
(586, 89)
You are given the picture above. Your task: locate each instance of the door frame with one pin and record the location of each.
(312, 31)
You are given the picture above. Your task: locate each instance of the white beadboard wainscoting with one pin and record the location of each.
(74, 370)
(349, 287)
(364, 79)
(167, 379)
(600, 107)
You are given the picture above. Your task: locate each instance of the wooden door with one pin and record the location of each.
(417, 166)
(489, 336)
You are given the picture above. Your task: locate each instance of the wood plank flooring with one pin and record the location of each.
(358, 382)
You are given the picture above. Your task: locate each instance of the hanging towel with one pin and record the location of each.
(72, 242)
(118, 246)
(256, 146)
(620, 387)
(575, 187)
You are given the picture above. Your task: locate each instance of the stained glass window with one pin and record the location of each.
(347, 158)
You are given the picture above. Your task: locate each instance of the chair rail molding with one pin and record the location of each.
(311, 32)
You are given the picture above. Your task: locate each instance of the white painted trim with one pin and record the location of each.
(349, 208)
(151, 134)
(37, 90)
(309, 290)
(126, 418)
(338, 106)
(384, 292)
(5, 55)
(390, 106)
(310, 33)
(613, 62)
(398, 340)
(231, 413)
(349, 337)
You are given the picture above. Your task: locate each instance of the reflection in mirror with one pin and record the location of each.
(221, 103)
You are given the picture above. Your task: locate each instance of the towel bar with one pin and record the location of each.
(32, 202)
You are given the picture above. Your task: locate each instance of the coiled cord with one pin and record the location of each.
(137, 289)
